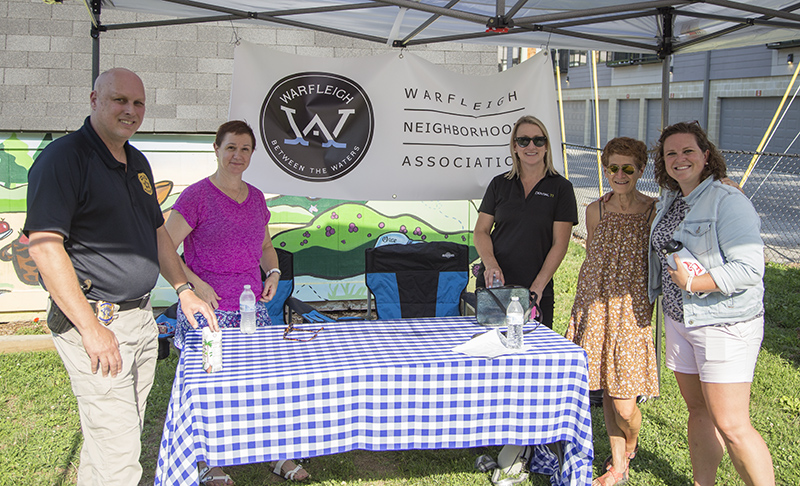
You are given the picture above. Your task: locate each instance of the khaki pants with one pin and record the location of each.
(112, 409)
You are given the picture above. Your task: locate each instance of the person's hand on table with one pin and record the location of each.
(270, 287)
(192, 304)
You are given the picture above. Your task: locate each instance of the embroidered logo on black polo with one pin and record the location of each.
(148, 188)
(316, 126)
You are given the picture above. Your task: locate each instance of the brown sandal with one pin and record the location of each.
(612, 477)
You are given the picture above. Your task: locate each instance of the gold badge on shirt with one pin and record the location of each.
(145, 183)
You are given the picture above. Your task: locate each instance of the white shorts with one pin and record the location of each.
(719, 354)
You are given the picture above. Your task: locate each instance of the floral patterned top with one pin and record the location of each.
(662, 233)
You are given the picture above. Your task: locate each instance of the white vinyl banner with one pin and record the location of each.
(385, 127)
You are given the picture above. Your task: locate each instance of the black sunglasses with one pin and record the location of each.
(627, 168)
(524, 141)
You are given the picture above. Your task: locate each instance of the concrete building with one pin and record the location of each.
(733, 93)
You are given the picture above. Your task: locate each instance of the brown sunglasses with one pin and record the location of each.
(290, 328)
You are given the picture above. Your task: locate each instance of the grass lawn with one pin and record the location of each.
(41, 436)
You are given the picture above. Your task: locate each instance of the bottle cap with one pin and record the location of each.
(247, 287)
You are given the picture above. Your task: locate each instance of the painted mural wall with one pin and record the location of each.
(327, 236)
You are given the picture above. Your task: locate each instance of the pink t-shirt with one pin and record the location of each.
(224, 246)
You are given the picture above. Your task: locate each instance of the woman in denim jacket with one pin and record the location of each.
(714, 321)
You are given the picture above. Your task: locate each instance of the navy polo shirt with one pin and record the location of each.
(523, 227)
(108, 215)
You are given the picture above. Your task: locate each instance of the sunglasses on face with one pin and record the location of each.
(524, 141)
(627, 168)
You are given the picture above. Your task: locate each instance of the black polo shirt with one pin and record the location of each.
(108, 215)
(523, 227)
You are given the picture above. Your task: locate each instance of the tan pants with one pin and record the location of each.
(112, 409)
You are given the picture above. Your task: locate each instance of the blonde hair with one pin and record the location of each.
(516, 168)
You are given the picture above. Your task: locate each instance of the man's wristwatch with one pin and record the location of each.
(186, 286)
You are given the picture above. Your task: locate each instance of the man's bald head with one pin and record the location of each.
(117, 106)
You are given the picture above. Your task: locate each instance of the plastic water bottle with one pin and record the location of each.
(496, 282)
(247, 309)
(515, 320)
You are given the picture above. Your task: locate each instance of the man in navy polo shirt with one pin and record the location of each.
(97, 236)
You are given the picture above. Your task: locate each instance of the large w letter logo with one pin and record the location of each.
(316, 122)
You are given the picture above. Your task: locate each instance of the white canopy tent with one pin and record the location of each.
(663, 27)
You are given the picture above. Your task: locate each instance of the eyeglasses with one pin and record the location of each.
(627, 168)
(524, 141)
(290, 328)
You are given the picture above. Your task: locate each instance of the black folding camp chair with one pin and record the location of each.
(416, 280)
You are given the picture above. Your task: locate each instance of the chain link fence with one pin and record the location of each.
(773, 187)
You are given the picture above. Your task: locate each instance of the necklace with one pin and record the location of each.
(239, 194)
(242, 185)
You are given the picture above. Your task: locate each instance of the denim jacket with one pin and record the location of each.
(722, 230)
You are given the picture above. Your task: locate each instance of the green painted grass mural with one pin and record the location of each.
(327, 236)
(332, 245)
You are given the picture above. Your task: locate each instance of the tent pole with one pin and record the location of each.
(665, 54)
(665, 91)
(596, 100)
(706, 93)
(95, 41)
(561, 114)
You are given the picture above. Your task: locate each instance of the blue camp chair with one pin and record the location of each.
(277, 307)
(416, 280)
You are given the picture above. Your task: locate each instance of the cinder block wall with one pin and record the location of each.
(46, 52)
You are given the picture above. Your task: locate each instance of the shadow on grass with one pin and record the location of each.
(68, 460)
(782, 308)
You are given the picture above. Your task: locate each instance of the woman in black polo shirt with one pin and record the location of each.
(526, 217)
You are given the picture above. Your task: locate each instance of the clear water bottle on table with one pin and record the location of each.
(247, 309)
(515, 320)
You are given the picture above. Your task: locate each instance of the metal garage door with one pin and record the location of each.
(653, 121)
(574, 119)
(743, 122)
(603, 125)
(688, 109)
(628, 119)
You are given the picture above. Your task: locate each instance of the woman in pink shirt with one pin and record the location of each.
(222, 223)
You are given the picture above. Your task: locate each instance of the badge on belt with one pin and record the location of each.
(106, 311)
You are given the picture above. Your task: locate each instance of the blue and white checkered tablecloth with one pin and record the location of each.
(374, 385)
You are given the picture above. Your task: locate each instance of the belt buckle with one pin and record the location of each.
(106, 311)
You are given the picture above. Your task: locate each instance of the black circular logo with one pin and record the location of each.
(316, 126)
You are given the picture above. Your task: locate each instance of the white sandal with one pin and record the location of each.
(289, 474)
(206, 477)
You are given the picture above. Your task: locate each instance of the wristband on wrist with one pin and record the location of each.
(274, 270)
(689, 284)
(186, 286)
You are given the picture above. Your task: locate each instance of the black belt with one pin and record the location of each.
(139, 303)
